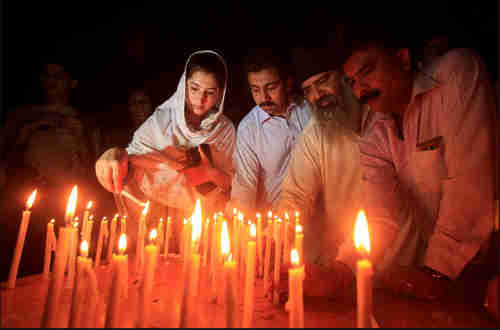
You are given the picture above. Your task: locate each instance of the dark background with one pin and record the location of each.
(116, 47)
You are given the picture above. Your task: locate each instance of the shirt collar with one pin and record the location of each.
(264, 116)
(424, 80)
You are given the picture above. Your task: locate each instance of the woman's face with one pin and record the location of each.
(202, 92)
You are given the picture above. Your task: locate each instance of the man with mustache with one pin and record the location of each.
(266, 135)
(429, 188)
(323, 181)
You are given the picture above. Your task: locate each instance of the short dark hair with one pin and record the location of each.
(258, 59)
(210, 63)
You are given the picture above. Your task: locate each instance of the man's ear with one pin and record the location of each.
(74, 83)
(404, 57)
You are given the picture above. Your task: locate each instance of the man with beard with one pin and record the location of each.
(323, 181)
(429, 188)
(266, 135)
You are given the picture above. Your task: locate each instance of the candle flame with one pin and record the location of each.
(122, 243)
(161, 220)
(361, 235)
(235, 210)
(89, 205)
(298, 228)
(240, 216)
(296, 214)
(91, 218)
(75, 224)
(230, 258)
(253, 230)
(70, 208)
(84, 248)
(225, 243)
(53, 221)
(196, 220)
(286, 215)
(269, 214)
(146, 208)
(31, 199)
(152, 235)
(294, 257)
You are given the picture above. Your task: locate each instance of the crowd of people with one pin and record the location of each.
(410, 137)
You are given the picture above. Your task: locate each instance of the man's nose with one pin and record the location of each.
(315, 94)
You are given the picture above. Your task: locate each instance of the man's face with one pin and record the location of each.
(322, 89)
(140, 106)
(269, 91)
(56, 81)
(380, 79)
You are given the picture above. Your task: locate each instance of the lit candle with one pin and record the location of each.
(297, 219)
(139, 251)
(51, 308)
(236, 237)
(103, 234)
(21, 236)
(213, 261)
(71, 206)
(260, 256)
(112, 234)
(123, 224)
(50, 245)
(230, 279)
(80, 287)
(191, 276)
(119, 270)
(161, 234)
(167, 238)
(73, 247)
(299, 241)
(267, 261)
(90, 225)
(364, 272)
(295, 302)
(250, 279)
(86, 214)
(277, 263)
(286, 238)
(183, 239)
(188, 228)
(90, 313)
(205, 241)
(151, 258)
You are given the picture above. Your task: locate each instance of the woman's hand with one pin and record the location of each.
(111, 169)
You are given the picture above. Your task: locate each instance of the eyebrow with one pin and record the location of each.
(266, 85)
(198, 85)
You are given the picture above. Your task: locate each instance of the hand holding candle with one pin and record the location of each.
(364, 273)
(20, 241)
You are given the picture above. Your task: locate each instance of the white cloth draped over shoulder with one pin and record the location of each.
(158, 147)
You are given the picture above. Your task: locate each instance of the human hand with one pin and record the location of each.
(201, 173)
(414, 282)
(111, 169)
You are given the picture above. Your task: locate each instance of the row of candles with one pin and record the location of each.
(247, 250)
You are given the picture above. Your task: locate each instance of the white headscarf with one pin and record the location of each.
(209, 126)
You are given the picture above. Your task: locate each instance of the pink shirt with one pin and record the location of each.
(442, 174)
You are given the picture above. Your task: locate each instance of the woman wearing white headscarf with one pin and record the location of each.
(184, 149)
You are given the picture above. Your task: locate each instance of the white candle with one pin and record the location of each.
(51, 307)
(205, 242)
(189, 311)
(248, 306)
(267, 261)
(21, 236)
(86, 214)
(167, 238)
(112, 234)
(277, 262)
(139, 251)
(299, 241)
(296, 300)
(119, 270)
(73, 247)
(260, 256)
(79, 289)
(151, 258)
(103, 234)
(364, 273)
(50, 245)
